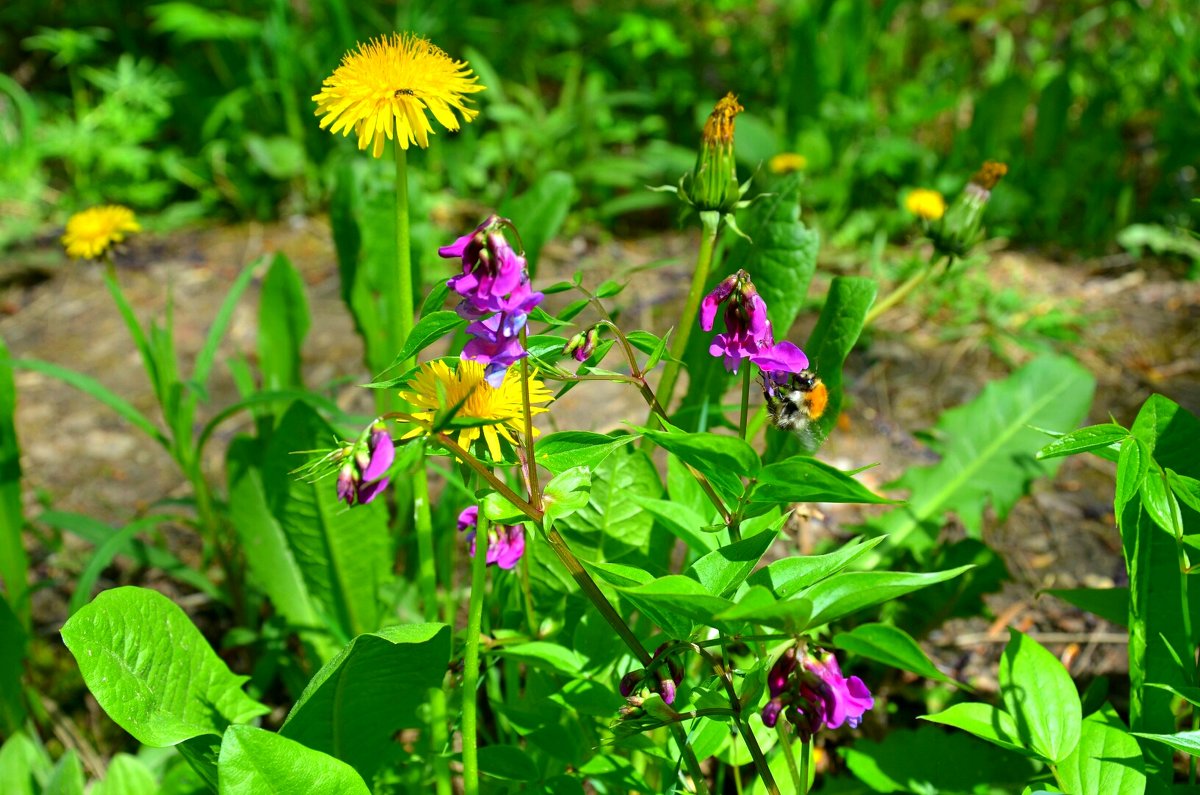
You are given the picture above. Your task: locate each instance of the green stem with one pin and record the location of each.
(785, 742)
(402, 322)
(470, 703)
(743, 425)
(805, 757)
(901, 292)
(666, 387)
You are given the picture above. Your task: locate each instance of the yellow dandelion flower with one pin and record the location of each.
(787, 162)
(383, 89)
(435, 385)
(925, 203)
(91, 233)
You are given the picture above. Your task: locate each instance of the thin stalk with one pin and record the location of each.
(666, 387)
(743, 425)
(402, 323)
(805, 756)
(901, 292)
(470, 703)
(439, 738)
(785, 742)
(535, 493)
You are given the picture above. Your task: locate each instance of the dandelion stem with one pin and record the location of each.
(470, 702)
(666, 387)
(900, 293)
(402, 323)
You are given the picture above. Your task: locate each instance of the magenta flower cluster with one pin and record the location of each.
(748, 333)
(810, 691)
(506, 543)
(668, 675)
(496, 295)
(363, 476)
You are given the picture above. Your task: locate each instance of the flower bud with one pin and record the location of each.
(583, 344)
(957, 232)
(630, 682)
(714, 182)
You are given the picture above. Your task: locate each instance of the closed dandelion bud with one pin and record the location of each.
(714, 181)
(957, 232)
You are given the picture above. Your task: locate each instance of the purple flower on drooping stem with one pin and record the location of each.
(364, 475)
(814, 694)
(506, 543)
(748, 333)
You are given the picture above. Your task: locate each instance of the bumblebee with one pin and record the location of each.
(798, 403)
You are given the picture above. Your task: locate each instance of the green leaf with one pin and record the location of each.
(891, 646)
(677, 603)
(1111, 604)
(566, 494)
(759, 606)
(1092, 437)
(1188, 742)
(428, 330)
(126, 775)
(723, 570)
(14, 564)
(1133, 463)
(283, 323)
(849, 592)
(546, 655)
(682, 522)
(984, 721)
(374, 687)
(22, 765)
(342, 552)
(270, 553)
(67, 778)
(220, 325)
(561, 451)
(789, 576)
(724, 460)
(933, 760)
(1106, 760)
(837, 330)
(987, 451)
(151, 669)
(1160, 503)
(805, 479)
(94, 388)
(612, 525)
(507, 763)
(1186, 489)
(1039, 694)
(540, 212)
(255, 761)
(14, 643)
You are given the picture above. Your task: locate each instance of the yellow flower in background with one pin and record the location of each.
(787, 162)
(384, 88)
(925, 203)
(436, 386)
(91, 233)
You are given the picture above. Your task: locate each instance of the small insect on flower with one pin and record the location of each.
(796, 403)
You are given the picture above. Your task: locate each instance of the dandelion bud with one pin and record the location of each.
(714, 182)
(957, 232)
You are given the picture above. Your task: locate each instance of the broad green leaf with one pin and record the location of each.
(283, 323)
(267, 547)
(612, 525)
(1093, 437)
(428, 330)
(539, 212)
(67, 778)
(507, 763)
(789, 576)
(1186, 489)
(683, 522)
(1038, 693)
(151, 669)
(676, 604)
(849, 592)
(1106, 760)
(544, 654)
(94, 388)
(14, 564)
(126, 775)
(374, 687)
(566, 494)
(1133, 464)
(561, 451)
(984, 721)
(1160, 503)
(837, 330)
(987, 450)
(723, 570)
(759, 606)
(13, 645)
(255, 761)
(804, 479)
(930, 759)
(1111, 604)
(891, 646)
(724, 460)
(1188, 742)
(22, 765)
(341, 551)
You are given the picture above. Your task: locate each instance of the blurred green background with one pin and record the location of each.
(203, 110)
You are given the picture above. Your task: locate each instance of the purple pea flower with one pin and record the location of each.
(837, 699)
(506, 543)
(748, 333)
(364, 475)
